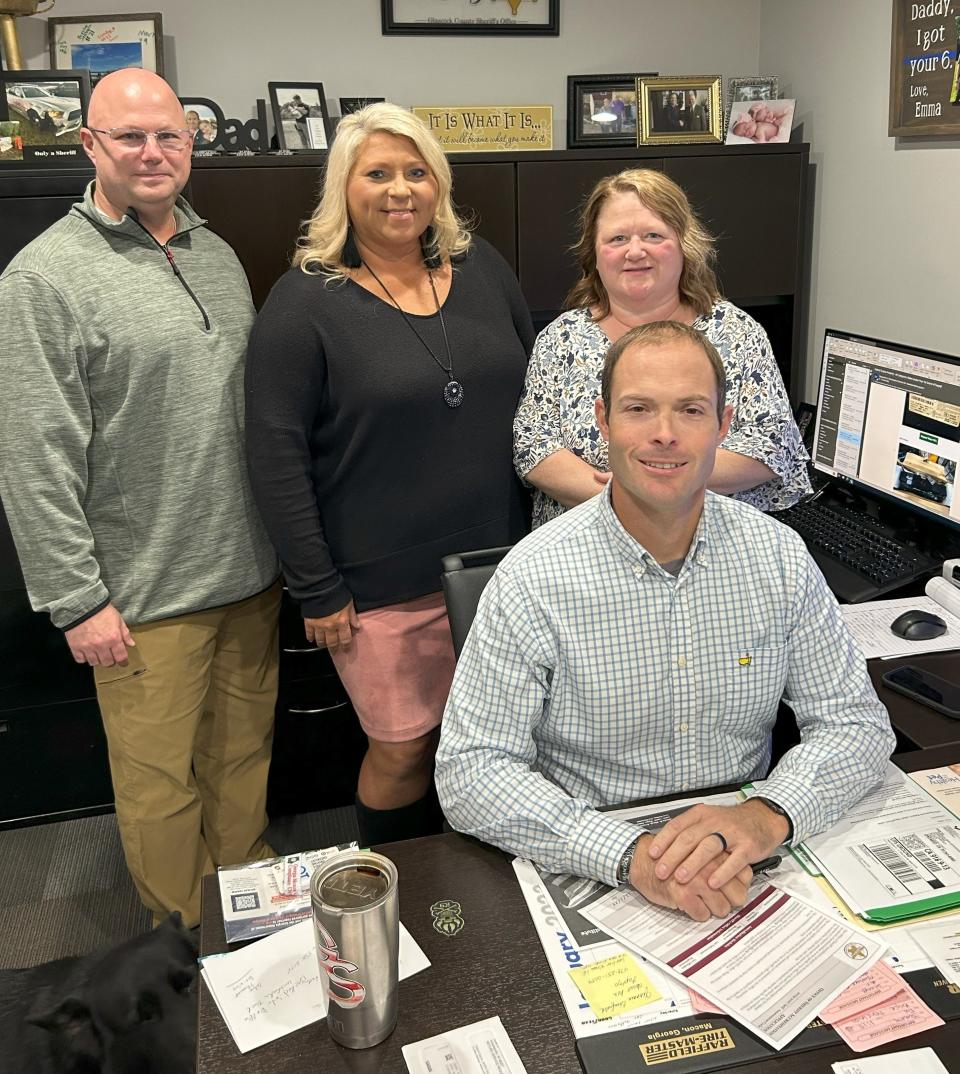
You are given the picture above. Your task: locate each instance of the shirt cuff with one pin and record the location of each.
(598, 843)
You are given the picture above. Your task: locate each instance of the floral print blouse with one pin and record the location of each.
(563, 380)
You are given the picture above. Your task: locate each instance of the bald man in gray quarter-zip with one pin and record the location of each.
(123, 477)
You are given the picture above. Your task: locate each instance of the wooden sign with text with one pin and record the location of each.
(924, 68)
(490, 129)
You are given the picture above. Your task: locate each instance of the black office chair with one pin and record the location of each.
(463, 578)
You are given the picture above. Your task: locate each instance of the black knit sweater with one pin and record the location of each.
(363, 475)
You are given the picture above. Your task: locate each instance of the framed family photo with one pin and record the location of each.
(502, 17)
(676, 109)
(602, 109)
(206, 121)
(105, 43)
(300, 115)
(41, 117)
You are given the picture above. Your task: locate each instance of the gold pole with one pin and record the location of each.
(11, 44)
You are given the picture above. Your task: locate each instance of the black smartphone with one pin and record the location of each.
(926, 688)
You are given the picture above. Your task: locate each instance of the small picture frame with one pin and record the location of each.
(349, 105)
(300, 116)
(503, 18)
(760, 122)
(678, 109)
(206, 118)
(42, 116)
(602, 109)
(105, 43)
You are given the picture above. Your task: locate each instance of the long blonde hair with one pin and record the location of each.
(320, 248)
(698, 282)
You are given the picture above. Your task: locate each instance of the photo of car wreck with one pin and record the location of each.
(50, 113)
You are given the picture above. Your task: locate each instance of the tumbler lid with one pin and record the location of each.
(354, 881)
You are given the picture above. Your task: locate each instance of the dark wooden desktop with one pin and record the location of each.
(493, 966)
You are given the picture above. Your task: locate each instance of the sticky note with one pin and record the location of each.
(614, 985)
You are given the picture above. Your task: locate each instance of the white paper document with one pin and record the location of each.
(941, 941)
(915, 1061)
(896, 847)
(773, 964)
(942, 784)
(869, 623)
(273, 986)
(479, 1048)
(570, 941)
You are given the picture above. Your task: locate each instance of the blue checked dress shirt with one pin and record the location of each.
(592, 676)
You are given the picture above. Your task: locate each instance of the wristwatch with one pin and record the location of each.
(626, 859)
(780, 810)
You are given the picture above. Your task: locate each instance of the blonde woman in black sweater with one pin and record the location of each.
(382, 377)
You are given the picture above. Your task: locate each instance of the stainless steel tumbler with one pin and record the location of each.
(357, 927)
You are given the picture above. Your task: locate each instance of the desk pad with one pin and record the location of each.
(712, 1042)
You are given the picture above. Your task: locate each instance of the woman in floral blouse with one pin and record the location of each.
(645, 257)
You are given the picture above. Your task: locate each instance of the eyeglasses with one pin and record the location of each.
(173, 141)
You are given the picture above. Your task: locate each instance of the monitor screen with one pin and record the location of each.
(888, 421)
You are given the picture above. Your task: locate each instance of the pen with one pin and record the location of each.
(767, 863)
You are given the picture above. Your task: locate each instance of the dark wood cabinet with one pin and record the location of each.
(753, 199)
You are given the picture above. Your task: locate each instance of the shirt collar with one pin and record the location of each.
(634, 552)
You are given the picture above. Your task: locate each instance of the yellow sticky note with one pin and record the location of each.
(614, 985)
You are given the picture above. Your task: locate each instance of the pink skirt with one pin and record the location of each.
(399, 668)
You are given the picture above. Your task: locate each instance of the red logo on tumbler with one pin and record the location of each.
(338, 971)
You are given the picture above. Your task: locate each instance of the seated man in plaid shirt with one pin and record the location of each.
(640, 644)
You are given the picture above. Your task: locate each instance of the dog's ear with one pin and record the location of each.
(174, 921)
(70, 1015)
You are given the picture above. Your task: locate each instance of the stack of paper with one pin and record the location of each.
(273, 986)
(895, 856)
(773, 964)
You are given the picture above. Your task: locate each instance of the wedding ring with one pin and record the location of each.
(720, 837)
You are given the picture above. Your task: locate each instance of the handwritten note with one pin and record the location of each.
(614, 985)
(901, 1016)
(877, 985)
(273, 986)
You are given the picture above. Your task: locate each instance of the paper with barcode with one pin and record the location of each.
(896, 846)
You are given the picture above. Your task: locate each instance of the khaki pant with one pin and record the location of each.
(189, 724)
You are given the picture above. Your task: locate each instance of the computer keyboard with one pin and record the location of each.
(859, 542)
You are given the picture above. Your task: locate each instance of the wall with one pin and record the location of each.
(885, 234)
(230, 51)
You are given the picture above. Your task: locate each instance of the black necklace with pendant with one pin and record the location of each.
(453, 389)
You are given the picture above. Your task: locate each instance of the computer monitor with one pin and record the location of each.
(888, 422)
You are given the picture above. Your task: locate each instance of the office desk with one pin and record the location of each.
(920, 727)
(493, 966)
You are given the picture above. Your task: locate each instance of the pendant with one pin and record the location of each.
(453, 393)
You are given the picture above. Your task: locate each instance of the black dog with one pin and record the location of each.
(128, 1010)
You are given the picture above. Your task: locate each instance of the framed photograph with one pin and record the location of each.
(206, 118)
(502, 17)
(679, 108)
(602, 109)
(349, 105)
(105, 43)
(300, 115)
(753, 88)
(44, 111)
(760, 121)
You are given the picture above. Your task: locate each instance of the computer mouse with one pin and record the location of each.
(917, 625)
